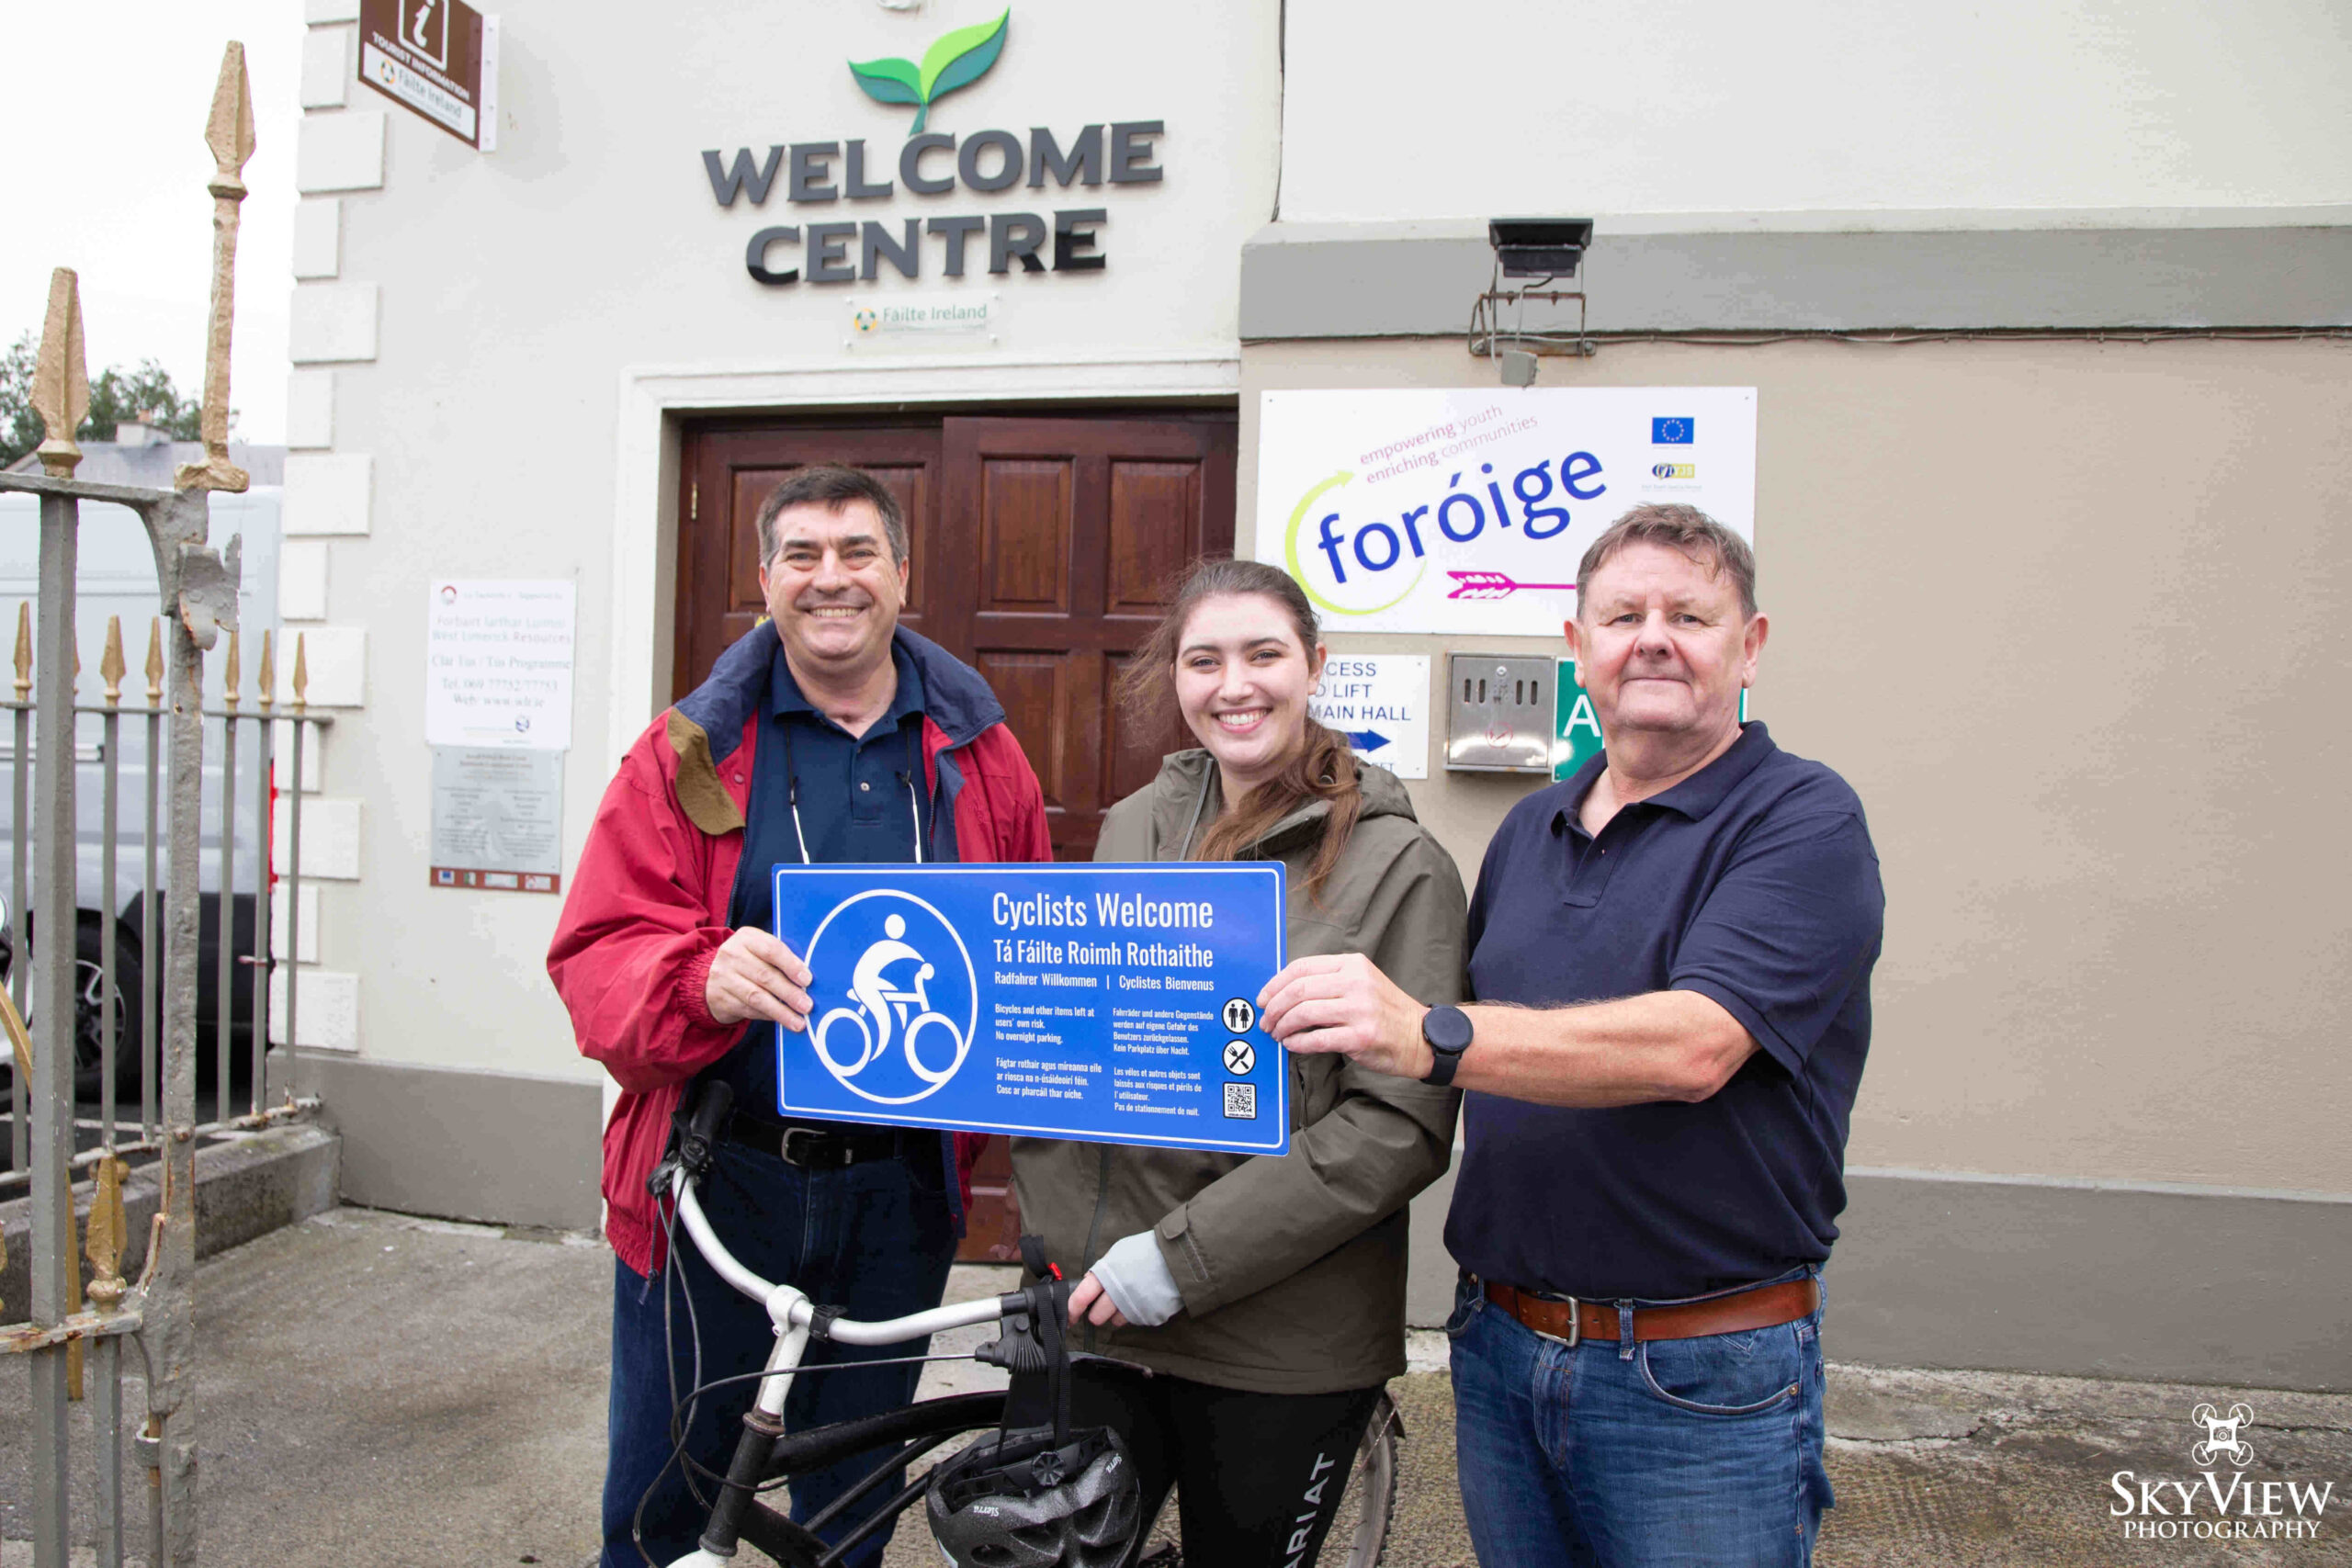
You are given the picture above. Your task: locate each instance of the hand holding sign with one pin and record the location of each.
(1341, 1002)
(754, 975)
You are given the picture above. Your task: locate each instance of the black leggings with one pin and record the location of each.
(1258, 1475)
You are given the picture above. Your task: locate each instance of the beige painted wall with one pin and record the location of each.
(2076, 620)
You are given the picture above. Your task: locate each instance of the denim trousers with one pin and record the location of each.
(1669, 1454)
(875, 1239)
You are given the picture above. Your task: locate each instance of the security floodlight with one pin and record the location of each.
(1539, 247)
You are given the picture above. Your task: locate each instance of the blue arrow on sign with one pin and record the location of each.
(1366, 739)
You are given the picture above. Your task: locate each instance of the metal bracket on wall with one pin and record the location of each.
(1491, 338)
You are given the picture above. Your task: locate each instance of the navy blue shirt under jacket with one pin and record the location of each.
(861, 798)
(1754, 882)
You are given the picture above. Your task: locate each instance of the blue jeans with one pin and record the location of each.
(1673, 1453)
(874, 1239)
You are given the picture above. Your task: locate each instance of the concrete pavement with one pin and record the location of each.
(379, 1392)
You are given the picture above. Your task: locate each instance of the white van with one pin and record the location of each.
(115, 576)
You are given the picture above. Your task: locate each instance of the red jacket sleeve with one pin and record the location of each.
(633, 947)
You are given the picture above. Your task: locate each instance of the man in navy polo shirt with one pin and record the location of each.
(1671, 952)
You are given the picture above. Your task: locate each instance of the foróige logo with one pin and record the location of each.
(895, 997)
(954, 60)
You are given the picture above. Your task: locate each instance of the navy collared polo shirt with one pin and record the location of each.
(1754, 882)
(861, 797)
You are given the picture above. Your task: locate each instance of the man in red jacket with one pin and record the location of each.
(829, 734)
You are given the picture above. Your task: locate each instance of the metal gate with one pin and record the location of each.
(198, 604)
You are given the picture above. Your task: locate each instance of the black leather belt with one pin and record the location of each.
(813, 1147)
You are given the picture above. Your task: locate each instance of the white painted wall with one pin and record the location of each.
(1723, 107)
(491, 322)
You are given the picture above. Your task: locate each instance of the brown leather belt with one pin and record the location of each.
(1573, 1321)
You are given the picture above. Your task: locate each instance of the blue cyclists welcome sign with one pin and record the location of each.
(1113, 1003)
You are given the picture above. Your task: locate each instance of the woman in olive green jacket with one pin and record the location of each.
(1267, 1293)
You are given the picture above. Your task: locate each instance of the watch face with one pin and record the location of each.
(1447, 1029)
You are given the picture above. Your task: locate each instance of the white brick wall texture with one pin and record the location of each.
(330, 837)
(309, 936)
(332, 322)
(318, 237)
(327, 492)
(327, 67)
(330, 1020)
(338, 657)
(301, 583)
(281, 761)
(340, 152)
(310, 409)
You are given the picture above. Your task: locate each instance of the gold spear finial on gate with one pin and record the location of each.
(111, 669)
(268, 682)
(301, 675)
(107, 1230)
(24, 649)
(230, 135)
(61, 377)
(155, 662)
(230, 674)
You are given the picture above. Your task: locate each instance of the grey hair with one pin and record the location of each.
(1685, 528)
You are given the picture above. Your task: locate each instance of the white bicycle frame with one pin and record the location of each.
(791, 1312)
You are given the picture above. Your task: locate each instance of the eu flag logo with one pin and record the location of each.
(1673, 432)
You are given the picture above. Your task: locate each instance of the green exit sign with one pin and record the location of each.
(1576, 728)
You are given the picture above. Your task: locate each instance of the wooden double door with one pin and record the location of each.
(1041, 547)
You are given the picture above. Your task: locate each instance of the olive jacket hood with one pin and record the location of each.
(1292, 1267)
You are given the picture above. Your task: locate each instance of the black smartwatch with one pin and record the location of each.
(1447, 1029)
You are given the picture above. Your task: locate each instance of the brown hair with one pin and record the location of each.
(1685, 528)
(832, 487)
(1324, 768)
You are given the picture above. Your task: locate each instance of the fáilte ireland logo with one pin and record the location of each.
(954, 60)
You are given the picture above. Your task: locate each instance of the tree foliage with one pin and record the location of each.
(117, 396)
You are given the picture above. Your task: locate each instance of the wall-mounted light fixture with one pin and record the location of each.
(1545, 250)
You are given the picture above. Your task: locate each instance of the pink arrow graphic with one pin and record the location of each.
(1496, 585)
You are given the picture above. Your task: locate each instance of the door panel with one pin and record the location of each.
(1025, 529)
(1082, 522)
(1151, 506)
(1030, 685)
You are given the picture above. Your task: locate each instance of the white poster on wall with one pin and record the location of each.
(1465, 510)
(498, 664)
(1381, 703)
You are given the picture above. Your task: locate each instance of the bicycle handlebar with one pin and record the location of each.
(800, 1311)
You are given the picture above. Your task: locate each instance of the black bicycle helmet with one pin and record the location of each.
(1016, 1500)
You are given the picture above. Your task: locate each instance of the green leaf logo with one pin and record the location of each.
(955, 60)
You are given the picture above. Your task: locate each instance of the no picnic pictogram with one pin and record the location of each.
(1239, 1015)
(1239, 1057)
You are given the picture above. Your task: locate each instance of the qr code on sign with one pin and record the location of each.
(1242, 1102)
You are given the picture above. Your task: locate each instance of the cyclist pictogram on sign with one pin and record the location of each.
(920, 998)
